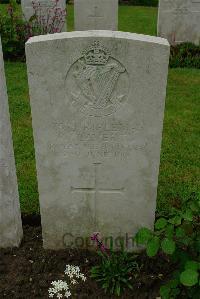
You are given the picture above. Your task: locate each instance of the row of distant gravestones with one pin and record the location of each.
(97, 102)
(178, 20)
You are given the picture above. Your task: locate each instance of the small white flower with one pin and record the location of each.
(73, 281)
(82, 276)
(68, 294)
(60, 287)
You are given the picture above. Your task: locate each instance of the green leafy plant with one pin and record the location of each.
(12, 31)
(15, 31)
(178, 238)
(185, 55)
(116, 270)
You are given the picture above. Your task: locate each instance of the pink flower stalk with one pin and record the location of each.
(95, 237)
(47, 21)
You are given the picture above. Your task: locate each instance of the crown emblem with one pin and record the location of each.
(96, 54)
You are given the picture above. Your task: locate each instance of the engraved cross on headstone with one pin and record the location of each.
(95, 16)
(95, 190)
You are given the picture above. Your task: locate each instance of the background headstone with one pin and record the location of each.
(96, 14)
(97, 103)
(10, 216)
(45, 8)
(179, 20)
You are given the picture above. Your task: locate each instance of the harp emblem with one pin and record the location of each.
(96, 77)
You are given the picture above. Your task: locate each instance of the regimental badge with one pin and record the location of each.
(101, 82)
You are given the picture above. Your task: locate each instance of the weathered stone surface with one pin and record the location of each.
(96, 14)
(179, 20)
(97, 101)
(10, 217)
(46, 9)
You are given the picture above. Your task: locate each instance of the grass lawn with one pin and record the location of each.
(20, 113)
(180, 166)
(131, 19)
(137, 19)
(180, 163)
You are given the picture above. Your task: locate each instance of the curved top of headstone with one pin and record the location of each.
(100, 33)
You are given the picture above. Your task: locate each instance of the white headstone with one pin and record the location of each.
(96, 14)
(10, 216)
(46, 11)
(179, 21)
(97, 101)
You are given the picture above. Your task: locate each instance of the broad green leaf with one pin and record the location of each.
(168, 246)
(175, 292)
(143, 236)
(194, 206)
(189, 277)
(175, 220)
(188, 215)
(193, 265)
(165, 292)
(153, 246)
(160, 223)
(186, 240)
(180, 233)
(169, 231)
(173, 283)
(188, 227)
